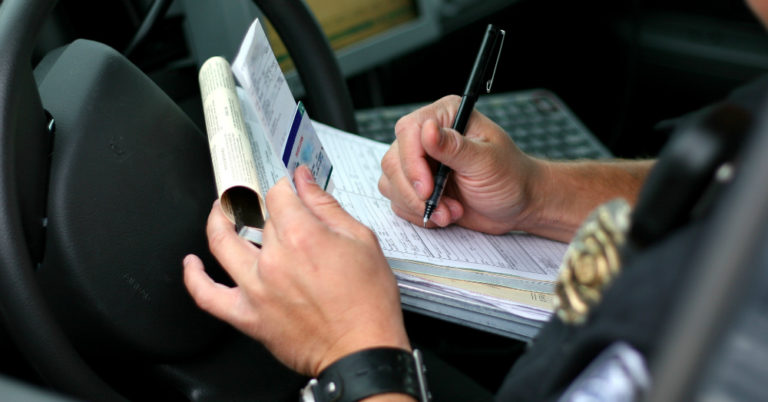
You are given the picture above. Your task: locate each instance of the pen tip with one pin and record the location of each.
(425, 221)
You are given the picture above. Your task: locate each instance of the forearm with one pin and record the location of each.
(562, 194)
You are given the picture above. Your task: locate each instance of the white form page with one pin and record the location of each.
(357, 169)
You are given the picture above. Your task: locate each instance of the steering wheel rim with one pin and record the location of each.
(26, 315)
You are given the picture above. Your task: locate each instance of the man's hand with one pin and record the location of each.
(489, 187)
(495, 187)
(319, 288)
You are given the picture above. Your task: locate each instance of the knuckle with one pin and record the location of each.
(216, 239)
(402, 124)
(415, 204)
(449, 106)
(368, 235)
(325, 200)
(452, 99)
(363, 233)
(404, 214)
(319, 200)
(270, 197)
(299, 239)
(383, 186)
(389, 163)
(268, 267)
(407, 204)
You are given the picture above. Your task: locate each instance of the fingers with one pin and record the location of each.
(448, 211)
(235, 254)
(413, 158)
(443, 144)
(287, 212)
(413, 217)
(407, 162)
(215, 298)
(394, 185)
(455, 209)
(309, 210)
(449, 147)
(322, 204)
(443, 111)
(409, 130)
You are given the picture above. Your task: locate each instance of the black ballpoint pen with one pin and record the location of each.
(491, 46)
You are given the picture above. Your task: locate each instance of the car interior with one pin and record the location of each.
(106, 180)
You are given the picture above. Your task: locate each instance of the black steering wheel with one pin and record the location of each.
(29, 198)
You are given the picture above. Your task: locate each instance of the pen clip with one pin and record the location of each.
(498, 56)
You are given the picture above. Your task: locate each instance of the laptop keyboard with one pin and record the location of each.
(537, 120)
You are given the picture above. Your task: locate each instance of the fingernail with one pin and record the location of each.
(453, 211)
(187, 260)
(441, 137)
(437, 216)
(418, 187)
(306, 175)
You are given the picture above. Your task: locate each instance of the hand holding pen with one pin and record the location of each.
(480, 79)
(492, 183)
(490, 188)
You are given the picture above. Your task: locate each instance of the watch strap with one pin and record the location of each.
(371, 372)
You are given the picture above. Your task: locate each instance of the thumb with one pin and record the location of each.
(320, 203)
(448, 146)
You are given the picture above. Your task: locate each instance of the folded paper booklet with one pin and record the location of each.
(258, 134)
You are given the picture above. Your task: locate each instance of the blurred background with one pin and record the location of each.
(621, 66)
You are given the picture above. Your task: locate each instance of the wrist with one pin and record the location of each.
(563, 193)
(381, 373)
(353, 343)
(545, 211)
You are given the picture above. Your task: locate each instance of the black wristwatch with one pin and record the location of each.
(370, 372)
